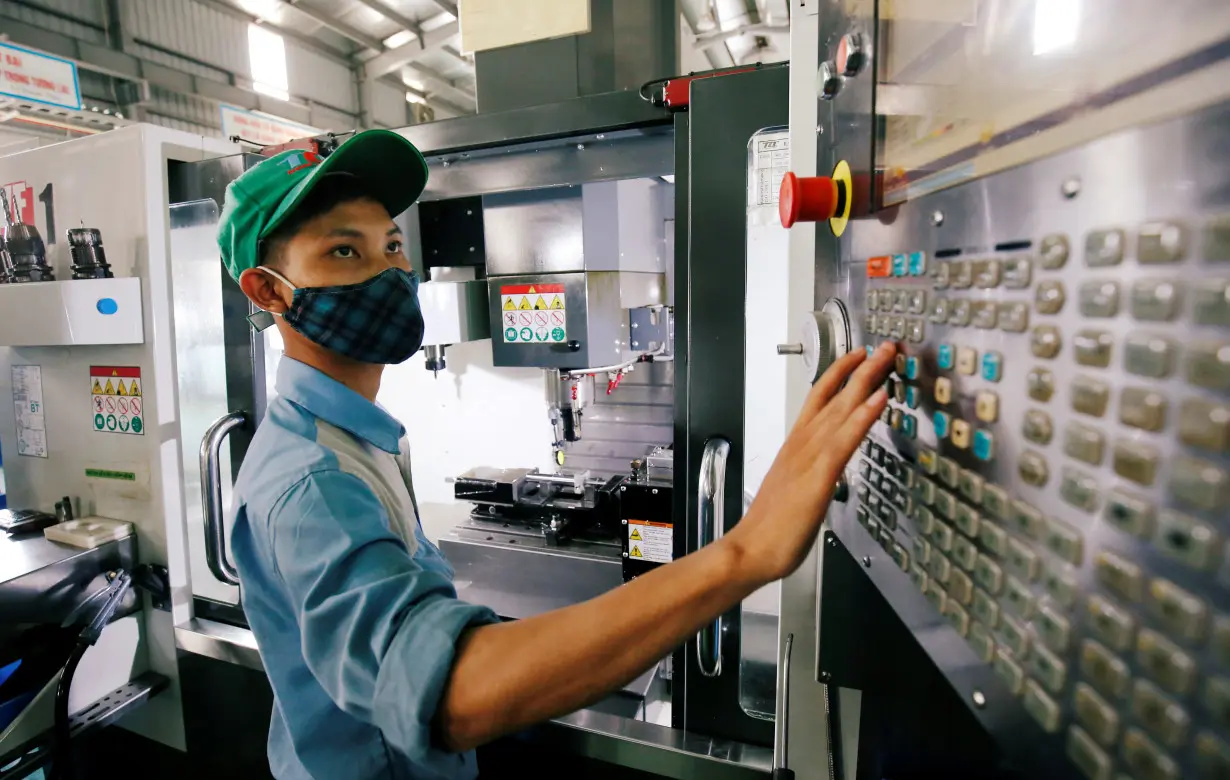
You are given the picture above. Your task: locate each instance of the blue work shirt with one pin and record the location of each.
(353, 609)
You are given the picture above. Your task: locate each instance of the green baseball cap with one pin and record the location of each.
(389, 166)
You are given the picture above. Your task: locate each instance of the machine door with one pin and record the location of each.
(1043, 510)
(729, 669)
(225, 374)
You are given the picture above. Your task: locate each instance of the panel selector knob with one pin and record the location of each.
(826, 337)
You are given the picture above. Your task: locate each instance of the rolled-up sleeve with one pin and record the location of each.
(378, 630)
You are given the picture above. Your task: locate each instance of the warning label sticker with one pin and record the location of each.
(534, 314)
(770, 163)
(115, 399)
(649, 541)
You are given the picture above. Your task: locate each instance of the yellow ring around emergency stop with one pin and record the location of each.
(841, 175)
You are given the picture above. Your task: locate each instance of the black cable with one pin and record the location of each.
(62, 749)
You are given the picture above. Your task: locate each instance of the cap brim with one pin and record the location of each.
(388, 165)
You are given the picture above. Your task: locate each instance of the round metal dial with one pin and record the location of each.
(826, 337)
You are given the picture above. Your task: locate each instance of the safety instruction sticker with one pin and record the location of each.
(534, 314)
(771, 162)
(652, 542)
(117, 404)
(31, 416)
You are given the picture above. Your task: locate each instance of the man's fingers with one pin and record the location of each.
(830, 382)
(865, 379)
(842, 438)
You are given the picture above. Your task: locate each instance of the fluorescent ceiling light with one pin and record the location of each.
(413, 98)
(1055, 24)
(399, 38)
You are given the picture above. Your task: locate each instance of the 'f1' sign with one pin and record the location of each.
(21, 202)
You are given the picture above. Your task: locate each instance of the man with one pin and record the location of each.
(378, 670)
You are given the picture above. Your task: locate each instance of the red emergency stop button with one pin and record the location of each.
(807, 199)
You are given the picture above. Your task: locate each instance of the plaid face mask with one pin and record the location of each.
(374, 321)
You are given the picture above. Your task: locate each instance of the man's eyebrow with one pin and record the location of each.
(344, 233)
(394, 231)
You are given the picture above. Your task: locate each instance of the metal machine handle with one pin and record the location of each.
(211, 495)
(710, 525)
(781, 770)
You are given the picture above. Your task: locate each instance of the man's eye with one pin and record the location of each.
(394, 248)
(344, 252)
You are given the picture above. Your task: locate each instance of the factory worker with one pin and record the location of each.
(378, 670)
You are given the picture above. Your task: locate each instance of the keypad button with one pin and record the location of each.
(967, 361)
(909, 426)
(912, 368)
(984, 445)
(1211, 302)
(1049, 669)
(1017, 272)
(901, 299)
(1181, 613)
(1217, 700)
(884, 325)
(1156, 300)
(924, 490)
(1188, 540)
(1013, 317)
(1119, 574)
(1108, 673)
(1041, 707)
(922, 550)
(917, 262)
(1009, 671)
(1037, 427)
(928, 461)
(960, 434)
(1044, 341)
(1212, 758)
(986, 406)
(900, 557)
(1028, 521)
(1142, 408)
(1049, 297)
(915, 331)
(1053, 628)
(986, 273)
(941, 534)
(992, 366)
(1099, 299)
(942, 423)
(943, 390)
(958, 618)
(1053, 252)
(1146, 760)
(1111, 623)
(1165, 719)
(985, 608)
(913, 396)
(918, 576)
(936, 595)
(959, 313)
(941, 276)
(1217, 240)
(1199, 483)
(1021, 561)
(960, 276)
(1208, 364)
(1161, 242)
(1015, 636)
(945, 357)
(964, 552)
(1033, 469)
(1083, 442)
(1093, 348)
(1084, 752)
(960, 586)
(1090, 396)
(988, 574)
(940, 310)
(1079, 489)
(899, 392)
(950, 472)
(1149, 355)
(1205, 424)
(1060, 586)
(1096, 714)
(1065, 541)
(1136, 461)
(897, 329)
(916, 301)
(981, 641)
(899, 363)
(993, 538)
(895, 417)
(1040, 383)
(1104, 247)
(1130, 513)
(1165, 663)
(995, 501)
(1018, 598)
(970, 486)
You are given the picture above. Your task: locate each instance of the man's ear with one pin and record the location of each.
(262, 289)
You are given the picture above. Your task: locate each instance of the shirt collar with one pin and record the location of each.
(336, 404)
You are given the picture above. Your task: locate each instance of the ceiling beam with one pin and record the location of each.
(439, 84)
(339, 27)
(435, 101)
(447, 7)
(393, 16)
(228, 7)
(393, 59)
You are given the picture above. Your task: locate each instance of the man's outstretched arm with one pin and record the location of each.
(508, 676)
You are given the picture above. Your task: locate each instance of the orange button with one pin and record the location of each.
(879, 266)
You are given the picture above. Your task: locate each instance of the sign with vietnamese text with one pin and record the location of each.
(262, 129)
(37, 77)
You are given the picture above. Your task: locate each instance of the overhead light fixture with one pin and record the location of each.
(1055, 24)
(417, 86)
(399, 38)
(411, 97)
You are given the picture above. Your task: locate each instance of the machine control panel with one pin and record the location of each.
(1052, 471)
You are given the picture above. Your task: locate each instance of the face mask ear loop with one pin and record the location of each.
(278, 276)
(260, 320)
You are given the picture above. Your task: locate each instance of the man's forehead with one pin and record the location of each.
(365, 215)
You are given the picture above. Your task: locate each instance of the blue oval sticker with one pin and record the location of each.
(107, 306)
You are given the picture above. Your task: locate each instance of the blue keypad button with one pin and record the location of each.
(870, 350)
(918, 263)
(900, 265)
(909, 426)
(992, 366)
(911, 368)
(912, 398)
(946, 357)
(941, 421)
(984, 445)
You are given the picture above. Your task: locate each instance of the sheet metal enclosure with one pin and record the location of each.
(1033, 562)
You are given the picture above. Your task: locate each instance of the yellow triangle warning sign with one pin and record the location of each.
(636, 552)
(635, 535)
(508, 305)
(525, 303)
(97, 388)
(135, 390)
(110, 389)
(556, 303)
(121, 390)
(540, 303)
(533, 289)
